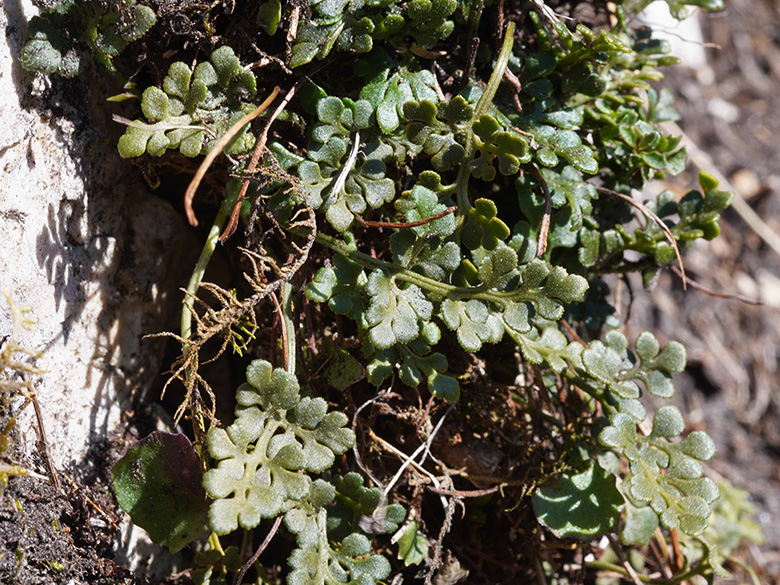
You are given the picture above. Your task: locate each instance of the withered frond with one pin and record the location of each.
(233, 320)
(15, 359)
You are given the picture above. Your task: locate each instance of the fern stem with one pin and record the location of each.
(484, 103)
(747, 568)
(486, 100)
(199, 272)
(324, 545)
(215, 544)
(480, 292)
(699, 569)
(188, 307)
(289, 328)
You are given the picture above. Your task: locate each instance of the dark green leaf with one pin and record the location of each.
(581, 505)
(158, 483)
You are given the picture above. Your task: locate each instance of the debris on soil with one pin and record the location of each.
(67, 536)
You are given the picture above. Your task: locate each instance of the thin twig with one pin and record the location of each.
(528, 135)
(658, 221)
(279, 312)
(11, 469)
(189, 195)
(43, 442)
(256, 154)
(615, 571)
(464, 493)
(416, 49)
(712, 293)
(517, 86)
(98, 509)
(678, 560)
(499, 23)
(368, 523)
(544, 229)
(473, 49)
(472, 41)
(663, 549)
(265, 59)
(387, 446)
(546, 11)
(427, 453)
(341, 179)
(400, 226)
(292, 31)
(539, 570)
(401, 455)
(574, 335)
(288, 326)
(260, 550)
(626, 565)
(437, 546)
(417, 451)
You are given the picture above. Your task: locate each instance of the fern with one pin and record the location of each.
(445, 226)
(60, 34)
(276, 433)
(193, 109)
(355, 26)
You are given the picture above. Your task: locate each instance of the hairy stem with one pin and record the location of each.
(188, 307)
(198, 273)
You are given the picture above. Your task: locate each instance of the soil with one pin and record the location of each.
(730, 389)
(62, 534)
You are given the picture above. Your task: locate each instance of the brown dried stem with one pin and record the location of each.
(269, 537)
(189, 195)
(256, 154)
(708, 291)
(544, 228)
(658, 221)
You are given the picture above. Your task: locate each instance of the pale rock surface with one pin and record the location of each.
(85, 245)
(97, 257)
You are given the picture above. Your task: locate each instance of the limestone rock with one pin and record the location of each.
(96, 256)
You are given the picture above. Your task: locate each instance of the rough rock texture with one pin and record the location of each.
(99, 260)
(84, 244)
